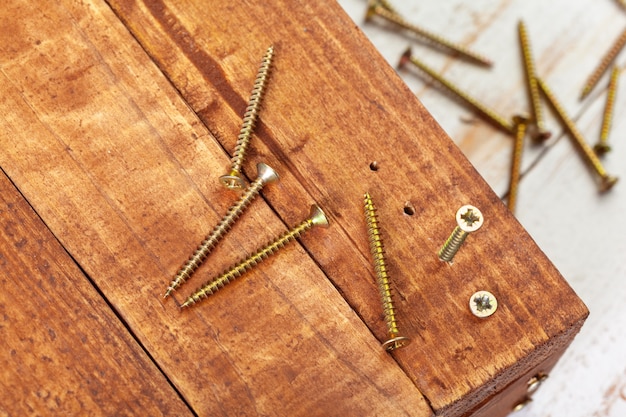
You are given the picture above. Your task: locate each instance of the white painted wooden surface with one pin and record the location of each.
(582, 232)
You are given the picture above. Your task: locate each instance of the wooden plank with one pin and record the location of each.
(333, 107)
(64, 352)
(116, 164)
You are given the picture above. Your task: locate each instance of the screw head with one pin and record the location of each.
(483, 304)
(601, 148)
(396, 343)
(607, 182)
(317, 216)
(232, 181)
(266, 173)
(469, 218)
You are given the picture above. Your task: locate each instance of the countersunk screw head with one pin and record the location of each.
(483, 304)
(469, 218)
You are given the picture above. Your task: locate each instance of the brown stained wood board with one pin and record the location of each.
(124, 174)
(332, 107)
(64, 352)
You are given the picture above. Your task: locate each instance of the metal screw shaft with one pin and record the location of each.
(469, 219)
(531, 82)
(516, 162)
(604, 64)
(383, 9)
(378, 253)
(316, 218)
(602, 146)
(233, 179)
(491, 115)
(265, 176)
(606, 181)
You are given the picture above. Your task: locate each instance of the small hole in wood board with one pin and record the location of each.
(409, 209)
(374, 166)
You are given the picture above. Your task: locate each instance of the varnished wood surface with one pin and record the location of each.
(116, 124)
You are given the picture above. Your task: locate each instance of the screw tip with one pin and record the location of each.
(187, 303)
(168, 292)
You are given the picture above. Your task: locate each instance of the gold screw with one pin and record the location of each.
(468, 219)
(316, 218)
(604, 64)
(516, 161)
(395, 341)
(383, 9)
(483, 304)
(265, 175)
(233, 179)
(491, 115)
(606, 181)
(531, 82)
(602, 146)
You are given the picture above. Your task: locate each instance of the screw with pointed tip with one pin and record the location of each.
(491, 115)
(233, 179)
(394, 341)
(383, 9)
(604, 64)
(602, 146)
(265, 175)
(606, 181)
(468, 219)
(316, 218)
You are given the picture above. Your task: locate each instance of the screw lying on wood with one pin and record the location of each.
(606, 181)
(395, 341)
(316, 218)
(604, 64)
(491, 115)
(383, 9)
(602, 146)
(265, 176)
(516, 161)
(468, 219)
(233, 179)
(531, 83)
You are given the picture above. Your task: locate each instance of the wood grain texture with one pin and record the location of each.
(64, 352)
(329, 112)
(126, 176)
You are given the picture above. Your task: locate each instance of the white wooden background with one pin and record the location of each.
(582, 232)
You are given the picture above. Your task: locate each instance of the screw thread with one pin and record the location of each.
(607, 116)
(248, 263)
(380, 267)
(608, 58)
(491, 115)
(252, 111)
(531, 82)
(516, 164)
(452, 244)
(384, 10)
(606, 180)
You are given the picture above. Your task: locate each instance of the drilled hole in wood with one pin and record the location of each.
(409, 209)
(374, 166)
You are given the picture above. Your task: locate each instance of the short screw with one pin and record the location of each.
(233, 179)
(531, 82)
(383, 9)
(491, 115)
(316, 218)
(606, 181)
(265, 176)
(610, 56)
(468, 219)
(395, 340)
(483, 304)
(516, 161)
(602, 146)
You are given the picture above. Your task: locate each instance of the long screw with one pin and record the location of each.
(383, 9)
(516, 161)
(606, 181)
(531, 83)
(394, 341)
(491, 115)
(602, 146)
(608, 58)
(316, 218)
(265, 176)
(468, 219)
(233, 179)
